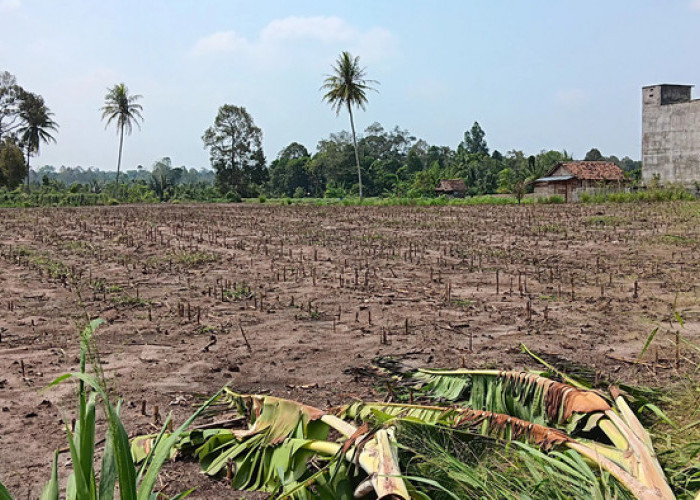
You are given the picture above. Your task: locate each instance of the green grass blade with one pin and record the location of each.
(154, 446)
(434, 484)
(647, 343)
(552, 369)
(163, 451)
(86, 442)
(108, 471)
(679, 318)
(82, 489)
(659, 413)
(4, 494)
(50, 491)
(126, 471)
(182, 495)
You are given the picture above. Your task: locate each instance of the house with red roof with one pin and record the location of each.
(570, 179)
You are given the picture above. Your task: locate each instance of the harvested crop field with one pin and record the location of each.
(299, 300)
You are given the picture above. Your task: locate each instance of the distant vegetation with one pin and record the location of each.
(379, 163)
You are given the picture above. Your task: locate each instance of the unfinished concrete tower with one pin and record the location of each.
(670, 134)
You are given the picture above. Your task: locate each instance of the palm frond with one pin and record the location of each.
(122, 107)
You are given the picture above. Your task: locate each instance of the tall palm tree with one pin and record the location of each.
(36, 124)
(123, 108)
(347, 87)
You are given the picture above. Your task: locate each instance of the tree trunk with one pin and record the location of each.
(357, 155)
(28, 153)
(119, 159)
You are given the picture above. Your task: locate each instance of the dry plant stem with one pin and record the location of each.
(641, 491)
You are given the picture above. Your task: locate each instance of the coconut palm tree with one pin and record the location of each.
(36, 124)
(347, 87)
(123, 108)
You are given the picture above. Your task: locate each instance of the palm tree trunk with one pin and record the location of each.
(28, 153)
(119, 160)
(357, 155)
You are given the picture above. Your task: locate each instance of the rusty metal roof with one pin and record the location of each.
(593, 170)
(451, 185)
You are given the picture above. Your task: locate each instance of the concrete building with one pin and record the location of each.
(670, 134)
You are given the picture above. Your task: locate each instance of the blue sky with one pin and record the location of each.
(536, 74)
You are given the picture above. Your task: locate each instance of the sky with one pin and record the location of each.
(536, 74)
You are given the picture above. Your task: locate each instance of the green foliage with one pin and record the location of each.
(333, 191)
(650, 195)
(552, 199)
(37, 123)
(123, 108)
(473, 467)
(117, 465)
(474, 141)
(235, 151)
(347, 87)
(12, 166)
(272, 455)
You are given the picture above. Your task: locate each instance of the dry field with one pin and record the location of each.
(298, 301)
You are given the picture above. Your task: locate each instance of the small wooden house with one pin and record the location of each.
(455, 188)
(570, 179)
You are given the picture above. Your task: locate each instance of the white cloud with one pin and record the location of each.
(695, 5)
(218, 43)
(323, 29)
(275, 39)
(10, 5)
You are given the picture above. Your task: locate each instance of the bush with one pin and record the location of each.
(233, 197)
(650, 195)
(333, 191)
(262, 199)
(553, 199)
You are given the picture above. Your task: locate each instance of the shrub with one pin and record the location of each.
(555, 198)
(233, 197)
(333, 191)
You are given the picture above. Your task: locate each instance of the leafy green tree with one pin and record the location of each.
(37, 125)
(594, 155)
(164, 178)
(290, 173)
(125, 110)
(347, 87)
(475, 140)
(235, 151)
(11, 165)
(425, 181)
(10, 98)
(293, 152)
(512, 181)
(333, 162)
(545, 161)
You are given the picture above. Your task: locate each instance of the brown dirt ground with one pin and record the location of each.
(338, 286)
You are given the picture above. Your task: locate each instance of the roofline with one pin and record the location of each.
(560, 163)
(668, 85)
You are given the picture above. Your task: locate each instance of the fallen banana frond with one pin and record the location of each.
(298, 451)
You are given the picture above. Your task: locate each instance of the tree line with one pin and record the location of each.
(380, 163)
(377, 162)
(25, 123)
